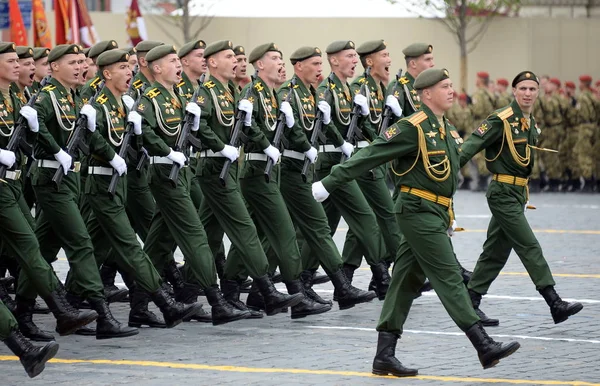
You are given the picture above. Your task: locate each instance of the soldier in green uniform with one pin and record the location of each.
(223, 208)
(426, 149)
(553, 113)
(26, 73)
(241, 76)
(308, 215)
(483, 103)
(42, 68)
(589, 115)
(88, 90)
(508, 136)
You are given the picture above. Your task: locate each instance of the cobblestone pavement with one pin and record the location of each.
(338, 347)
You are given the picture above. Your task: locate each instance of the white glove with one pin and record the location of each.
(326, 110)
(273, 153)
(247, 106)
(230, 152)
(7, 158)
(128, 101)
(135, 118)
(65, 160)
(286, 108)
(311, 154)
(90, 113)
(177, 157)
(195, 110)
(118, 164)
(392, 102)
(361, 101)
(347, 149)
(319, 192)
(451, 229)
(31, 116)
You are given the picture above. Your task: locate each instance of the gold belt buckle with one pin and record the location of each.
(76, 167)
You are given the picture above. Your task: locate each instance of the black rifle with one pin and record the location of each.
(353, 131)
(387, 112)
(317, 132)
(185, 137)
(124, 150)
(17, 139)
(76, 140)
(237, 133)
(277, 140)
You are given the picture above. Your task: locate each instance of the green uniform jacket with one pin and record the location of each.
(186, 87)
(89, 88)
(406, 94)
(341, 109)
(376, 99)
(9, 114)
(139, 80)
(111, 120)
(264, 116)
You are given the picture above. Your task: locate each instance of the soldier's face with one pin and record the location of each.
(424, 62)
(118, 75)
(241, 67)
(84, 69)
(345, 62)
(380, 65)
(169, 69)
(26, 71)
(224, 64)
(270, 66)
(440, 97)
(195, 60)
(526, 92)
(67, 69)
(311, 69)
(42, 68)
(9, 67)
(282, 74)
(133, 61)
(92, 69)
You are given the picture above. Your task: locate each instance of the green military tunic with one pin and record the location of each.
(417, 143)
(89, 88)
(60, 224)
(403, 89)
(507, 137)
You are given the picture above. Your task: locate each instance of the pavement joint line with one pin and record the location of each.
(241, 369)
(565, 231)
(446, 333)
(570, 275)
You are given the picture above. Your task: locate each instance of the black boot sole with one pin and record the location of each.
(242, 315)
(72, 328)
(150, 325)
(321, 279)
(344, 306)
(509, 350)
(490, 322)
(118, 335)
(39, 338)
(395, 373)
(294, 300)
(48, 352)
(576, 308)
(300, 315)
(188, 315)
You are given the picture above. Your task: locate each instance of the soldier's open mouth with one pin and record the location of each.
(179, 74)
(234, 68)
(31, 75)
(84, 75)
(387, 69)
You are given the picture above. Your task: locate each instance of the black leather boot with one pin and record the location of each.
(255, 300)
(68, 318)
(307, 306)
(485, 320)
(112, 293)
(559, 309)
(385, 362)
(220, 264)
(231, 293)
(33, 358)
(347, 295)
(381, 278)
(6, 299)
(173, 312)
(40, 309)
(107, 326)
(139, 314)
(307, 278)
(489, 351)
(24, 316)
(174, 277)
(276, 277)
(320, 278)
(222, 312)
(349, 273)
(275, 300)
(245, 286)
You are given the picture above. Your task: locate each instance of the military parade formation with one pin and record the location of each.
(120, 156)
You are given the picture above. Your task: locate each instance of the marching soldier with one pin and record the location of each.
(133, 60)
(567, 156)
(589, 116)
(508, 136)
(26, 73)
(241, 76)
(425, 217)
(553, 109)
(144, 76)
(483, 103)
(42, 68)
(90, 87)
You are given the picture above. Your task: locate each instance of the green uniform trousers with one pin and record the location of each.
(425, 251)
(140, 208)
(176, 220)
(8, 323)
(508, 230)
(109, 224)
(60, 225)
(223, 210)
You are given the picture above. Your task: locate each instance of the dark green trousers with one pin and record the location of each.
(8, 323)
(508, 230)
(140, 207)
(60, 225)
(109, 224)
(425, 251)
(176, 220)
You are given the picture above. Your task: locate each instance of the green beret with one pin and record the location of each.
(417, 49)
(86, 51)
(430, 77)
(6, 47)
(239, 50)
(304, 53)
(525, 75)
(190, 46)
(371, 47)
(160, 52)
(61, 50)
(147, 45)
(216, 47)
(24, 52)
(111, 57)
(261, 50)
(340, 45)
(101, 47)
(40, 52)
(130, 50)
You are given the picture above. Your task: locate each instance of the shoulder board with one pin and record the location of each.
(138, 84)
(153, 93)
(361, 80)
(417, 118)
(209, 84)
(404, 80)
(49, 87)
(258, 86)
(102, 99)
(94, 82)
(506, 113)
(181, 84)
(289, 85)
(332, 86)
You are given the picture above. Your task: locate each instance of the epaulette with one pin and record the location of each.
(289, 85)
(404, 80)
(209, 84)
(153, 93)
(332, 86)
(181, 84)
(49, 87)
(94, 82)
(138, 84)
(417, 118)
(258, 86)
(362, 80)
(506, 113)
(102, 99)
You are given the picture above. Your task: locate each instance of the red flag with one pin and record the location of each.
(61, 12)
(18, 34)
(134, 23)
(41, 33)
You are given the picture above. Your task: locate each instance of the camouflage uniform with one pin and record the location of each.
(483, 105)
(588, 127)
(553, 108)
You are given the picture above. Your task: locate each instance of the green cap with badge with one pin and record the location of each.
(525, 75)
(191, 46)
(340, 45)
(261, 50)
(40, 52)
(147, 45)
(61, 50)
(239, 50)
(6, 47)
(86, 51)
(101, 47)
(217, 47)
(130, 50)
(24, 52)
(417, 49)
(371, 47)
(111, 57)
(430, 77)
(160, 52)
(304, 53)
